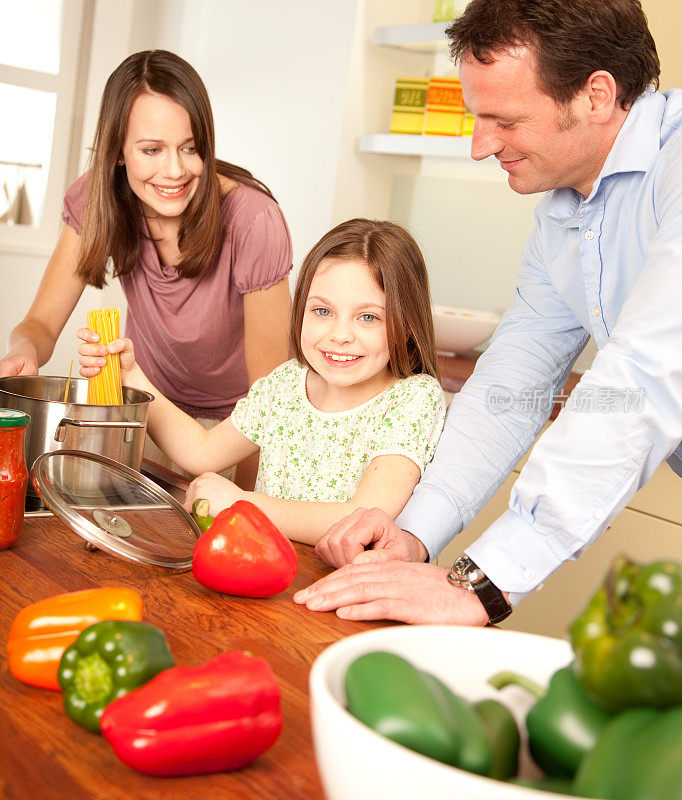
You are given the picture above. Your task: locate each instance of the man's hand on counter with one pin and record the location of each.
(397, 590)
(379, 577)
(368, 536)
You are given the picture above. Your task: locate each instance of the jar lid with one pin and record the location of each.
(116, 509)
(11, 418)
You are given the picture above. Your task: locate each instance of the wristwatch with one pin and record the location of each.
(469, 576)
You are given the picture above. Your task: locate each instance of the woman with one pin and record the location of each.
(200, 246)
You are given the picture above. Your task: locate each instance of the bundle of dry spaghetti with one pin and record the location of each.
(105, 388)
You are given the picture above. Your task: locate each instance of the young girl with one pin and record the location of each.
(352, 420)
(200, 246)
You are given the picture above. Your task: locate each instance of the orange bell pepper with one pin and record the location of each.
(42, 631)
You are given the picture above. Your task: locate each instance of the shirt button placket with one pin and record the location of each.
(592, 269)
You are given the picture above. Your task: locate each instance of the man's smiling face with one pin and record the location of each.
(540, 143)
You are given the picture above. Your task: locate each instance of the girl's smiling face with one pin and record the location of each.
(161, 162)
(343, 336)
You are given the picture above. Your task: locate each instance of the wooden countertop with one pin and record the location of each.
(45, 755)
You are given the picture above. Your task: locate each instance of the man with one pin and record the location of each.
(564, 95)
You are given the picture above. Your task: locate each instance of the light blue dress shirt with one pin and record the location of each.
(607, 266)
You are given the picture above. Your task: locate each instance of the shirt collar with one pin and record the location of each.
(639, 140)
(634, 150)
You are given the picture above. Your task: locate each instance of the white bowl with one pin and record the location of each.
(460, 329)
(355, 763)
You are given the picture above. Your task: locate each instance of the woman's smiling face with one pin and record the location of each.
(161, 161)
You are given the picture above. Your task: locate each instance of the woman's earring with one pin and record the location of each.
(121, 162)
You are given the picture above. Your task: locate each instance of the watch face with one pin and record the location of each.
(467, 575)
(466, 571)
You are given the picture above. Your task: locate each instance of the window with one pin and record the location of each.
(40, 45)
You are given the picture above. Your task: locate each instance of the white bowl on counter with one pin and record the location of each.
(461, 329)
(356, 763)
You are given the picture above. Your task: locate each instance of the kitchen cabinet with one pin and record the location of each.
(649, 528)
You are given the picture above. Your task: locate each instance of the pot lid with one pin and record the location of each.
(116, 509)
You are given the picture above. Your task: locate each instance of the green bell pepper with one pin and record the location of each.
(639, 757)
(628, 641)
(106, 661)
(563, 725)
(392, 697)
(474, 751)
(504, 738)
(200, 513)
(417, 710)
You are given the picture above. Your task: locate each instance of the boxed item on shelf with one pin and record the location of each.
(408, 105)
(444, 107)
(468, 123)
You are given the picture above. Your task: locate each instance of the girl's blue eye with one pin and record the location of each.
(368, 317)
(322, 312)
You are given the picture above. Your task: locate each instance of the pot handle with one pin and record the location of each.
(60, 433)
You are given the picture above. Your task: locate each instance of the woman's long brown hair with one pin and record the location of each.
(397, 265)
(112, 225)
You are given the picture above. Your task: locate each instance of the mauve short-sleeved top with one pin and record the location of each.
(189, 332)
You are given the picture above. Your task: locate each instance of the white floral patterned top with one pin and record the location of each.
(307, 454)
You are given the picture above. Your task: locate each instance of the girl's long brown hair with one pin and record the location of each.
(112, 225)
(397, 265)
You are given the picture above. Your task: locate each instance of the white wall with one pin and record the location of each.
(665, 20)
(363, 180)
(276, 74)
(471, 228)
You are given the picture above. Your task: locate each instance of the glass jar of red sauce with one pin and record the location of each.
(13, 475)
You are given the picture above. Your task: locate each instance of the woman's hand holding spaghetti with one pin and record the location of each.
(93, 355)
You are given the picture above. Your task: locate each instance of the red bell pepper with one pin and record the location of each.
(196, 720)
(244, 554)
(42, 631)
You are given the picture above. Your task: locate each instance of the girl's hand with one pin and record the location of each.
(219, 491)
(93, 355)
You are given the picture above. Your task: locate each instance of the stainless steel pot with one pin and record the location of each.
(117, 432)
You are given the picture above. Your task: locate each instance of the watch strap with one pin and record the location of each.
(491, 598)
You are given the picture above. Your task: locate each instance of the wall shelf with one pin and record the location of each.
(416, 145)
(424, 38)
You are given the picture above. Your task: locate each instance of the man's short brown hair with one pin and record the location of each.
(571, 39)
